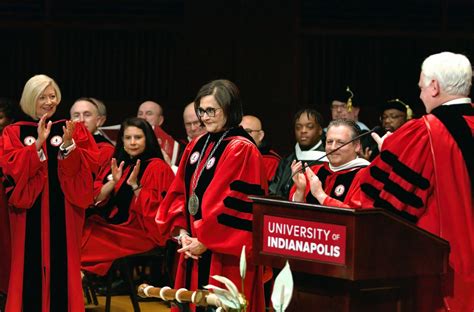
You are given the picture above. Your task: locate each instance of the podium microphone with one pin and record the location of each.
(305, 165)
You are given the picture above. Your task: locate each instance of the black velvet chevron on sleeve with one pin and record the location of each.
(239, 205)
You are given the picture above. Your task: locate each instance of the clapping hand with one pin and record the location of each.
(116, 170)
(379, 139)
(44, 129)
(316, 185)
(132, 179)
(68, 130)
(166, 157)
(297, 174)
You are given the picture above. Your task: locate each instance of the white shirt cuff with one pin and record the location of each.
(65, 151)
(41, 155)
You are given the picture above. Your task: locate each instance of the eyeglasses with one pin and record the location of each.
(391, 117)
(210, 111)
(336, 107)
(249, 131)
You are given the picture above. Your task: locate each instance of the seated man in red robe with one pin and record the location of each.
(335, 183)
(92, 113)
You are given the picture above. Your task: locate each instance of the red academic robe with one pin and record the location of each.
(103, 242)
(425, 173)
(271, 160)
(106, 151)
(342, 187)
(47, 201)
(4, 234)
(168, 145)
(4, 242)
(223, 222)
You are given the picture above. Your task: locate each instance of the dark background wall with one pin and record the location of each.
(283, 54)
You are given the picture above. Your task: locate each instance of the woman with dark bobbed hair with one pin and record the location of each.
(207, 208)
(49, 168)
(128, 200)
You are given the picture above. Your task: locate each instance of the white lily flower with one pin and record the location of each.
(243, 264)
(228, 283)
(224, 296)
(282, 289)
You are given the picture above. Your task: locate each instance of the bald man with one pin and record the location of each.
(93, 113)
(193, 126)
(253, 126)
(151, 112)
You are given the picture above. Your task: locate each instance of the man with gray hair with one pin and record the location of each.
(335, 183)
(192, 124)
(425, 173)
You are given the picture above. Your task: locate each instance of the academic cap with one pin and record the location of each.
(398, 105)
(345, 96)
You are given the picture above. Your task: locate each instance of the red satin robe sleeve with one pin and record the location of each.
(155, 182)
(23, 165)
(106, 151)
(271, 161)
(411, 146)
(170, 215)
(104, 242)
(77, 169)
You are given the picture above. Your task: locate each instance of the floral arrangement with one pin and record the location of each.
(233, 300)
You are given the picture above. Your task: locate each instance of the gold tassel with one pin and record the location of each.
(408, 108)
(349, 100)
(409, 112)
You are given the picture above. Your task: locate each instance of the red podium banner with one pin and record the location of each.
(304, 239)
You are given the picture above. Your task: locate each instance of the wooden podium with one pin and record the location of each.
(350, 259)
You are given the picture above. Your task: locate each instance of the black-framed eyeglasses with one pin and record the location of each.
(210, 111)
(249, 131)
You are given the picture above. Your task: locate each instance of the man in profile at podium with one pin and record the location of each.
(335, 183)
(425, 171)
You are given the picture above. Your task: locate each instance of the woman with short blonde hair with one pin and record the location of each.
(48, 167)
